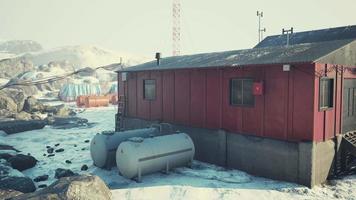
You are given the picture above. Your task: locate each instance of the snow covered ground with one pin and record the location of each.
(202, 181)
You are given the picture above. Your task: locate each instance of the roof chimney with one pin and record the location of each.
(158, 58)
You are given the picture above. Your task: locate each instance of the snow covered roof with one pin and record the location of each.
(330, 34)
(299, 53)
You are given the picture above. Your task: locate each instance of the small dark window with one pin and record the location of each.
(326, 93)
(241, 92)
(149, 92)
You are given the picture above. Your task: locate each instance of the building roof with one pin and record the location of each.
(330, 34)
(332, 46)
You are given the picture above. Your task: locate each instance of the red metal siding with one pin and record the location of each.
(201, 98)
(182, 97)
(143, 106)
(198, 98)
(168, 95)
(275, 103)
(156, 106)
(213, 98)
(231, 116)
(131, 94)
(300, 104)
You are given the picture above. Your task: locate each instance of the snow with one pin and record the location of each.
(202, 181)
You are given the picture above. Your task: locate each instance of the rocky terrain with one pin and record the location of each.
(15, 185)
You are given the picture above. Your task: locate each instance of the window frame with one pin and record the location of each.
(332, 94)
(252, 105)
(144, 90)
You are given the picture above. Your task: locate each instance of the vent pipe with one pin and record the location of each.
(158, 58)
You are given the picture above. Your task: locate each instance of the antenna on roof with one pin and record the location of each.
(260, 31)
(288, 32)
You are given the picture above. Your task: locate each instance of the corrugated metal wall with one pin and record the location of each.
(200, 98)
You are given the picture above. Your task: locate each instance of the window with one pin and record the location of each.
(326, 93)
(241, 92)
(149, 92)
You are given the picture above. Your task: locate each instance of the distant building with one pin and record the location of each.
(273, 111)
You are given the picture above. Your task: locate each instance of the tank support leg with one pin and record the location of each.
(139, 174)
(167, 167)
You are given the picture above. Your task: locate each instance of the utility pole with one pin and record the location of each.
(288, 32)
(260, 30)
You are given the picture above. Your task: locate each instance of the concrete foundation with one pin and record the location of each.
(306, 163)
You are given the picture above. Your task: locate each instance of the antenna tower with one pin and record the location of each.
(176, 27)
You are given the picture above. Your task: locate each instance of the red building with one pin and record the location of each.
(276, 103)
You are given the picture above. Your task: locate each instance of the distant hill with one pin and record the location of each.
(19, 46)
(83, 56)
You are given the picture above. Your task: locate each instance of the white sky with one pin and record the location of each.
(144, 26)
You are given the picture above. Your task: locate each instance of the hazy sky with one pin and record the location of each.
(144, 26)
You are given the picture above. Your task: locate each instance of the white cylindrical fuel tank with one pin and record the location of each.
(140, 156)
(103, 146)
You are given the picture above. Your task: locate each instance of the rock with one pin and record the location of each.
(22, 184)
(60, 173)
(51, 155)
(23, 116)
(7, 147)
(84, 168)
(75, 145)
(22, 162)
(6, 113)
(8, 194)
(17, 126)
(41, 178)
(50, 150)
(83, 149)
(68, 162)
(57, 144)
(42, 186)
(87, 141)
(68, 122)
(31, 105)
(48, 147)
(5, 156)
(12, 179)
(70, 188)
(44, 155)
(7, 103)
(59, 150)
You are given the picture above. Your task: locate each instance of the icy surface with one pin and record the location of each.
(202, 181)
(70, 91)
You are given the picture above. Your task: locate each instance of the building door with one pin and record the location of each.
(349, 110)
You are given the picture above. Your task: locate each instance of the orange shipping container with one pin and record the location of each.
(96, 101)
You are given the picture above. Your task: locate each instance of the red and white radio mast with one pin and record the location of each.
(176, 27)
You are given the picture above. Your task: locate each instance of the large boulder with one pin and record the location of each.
(31, 105)
(79, 188)
(22, 162)
(17, 126)
(8, 194)
(12, 179)
(7, 103)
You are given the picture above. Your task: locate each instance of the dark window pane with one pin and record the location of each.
(236, 92)
(248, 98)
(149, 89)
(326, 97)
(241, 92)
